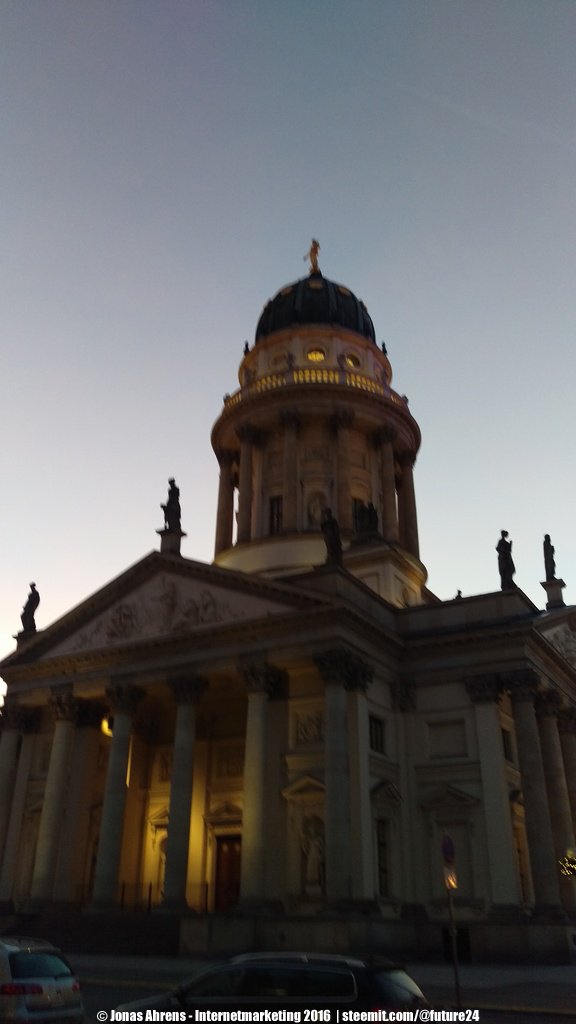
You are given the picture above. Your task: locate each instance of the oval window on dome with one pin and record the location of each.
(316, 355)
(352, 360)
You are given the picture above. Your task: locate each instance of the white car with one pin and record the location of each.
(37, 984)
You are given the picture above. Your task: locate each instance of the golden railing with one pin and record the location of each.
(315, 376)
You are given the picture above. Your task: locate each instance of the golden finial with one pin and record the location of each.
(312, 256)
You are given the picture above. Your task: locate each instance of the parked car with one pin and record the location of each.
(37, 983)
(295, 980)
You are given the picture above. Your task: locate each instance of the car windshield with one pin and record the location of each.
(38, 965)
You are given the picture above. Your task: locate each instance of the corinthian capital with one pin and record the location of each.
(342, 667)
(484, 689)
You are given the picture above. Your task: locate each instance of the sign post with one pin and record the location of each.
(451, 884)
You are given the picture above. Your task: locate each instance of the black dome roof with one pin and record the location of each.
(315, 300)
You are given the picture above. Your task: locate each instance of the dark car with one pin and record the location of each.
(293, 980)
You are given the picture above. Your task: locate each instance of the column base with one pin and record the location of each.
(548, 913)
(259, 908)
(507, 913)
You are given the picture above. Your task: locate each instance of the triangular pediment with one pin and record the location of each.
(560, 631)
(305, 789)
(385, 794)
(159, 598)
(448, 798)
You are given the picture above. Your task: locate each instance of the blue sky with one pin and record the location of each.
(164, 166)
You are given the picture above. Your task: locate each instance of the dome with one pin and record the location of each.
(315, 300)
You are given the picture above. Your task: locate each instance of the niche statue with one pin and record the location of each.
(331, 533)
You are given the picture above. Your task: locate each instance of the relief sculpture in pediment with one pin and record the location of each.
(165, 609)
(564, 640)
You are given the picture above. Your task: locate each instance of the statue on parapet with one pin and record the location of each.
(29, 609)
(172, 511)
(506, 566)
(331, 534)
(549, 563)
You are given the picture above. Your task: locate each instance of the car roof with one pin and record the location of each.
(26, 942)
(333, 959)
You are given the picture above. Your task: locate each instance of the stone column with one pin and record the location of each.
(362, 848)
(340, 670)
(523, 687)
(408, 520)
(11, 725)
(55, 794)
(291, 422)
(225, 513)
(484, 691)
(567, 730)
(341, 424)
(261, 681)
(124, 700)
(548, 706)
(247, 436)
(187, 691)
(383, 441)
(69, 880)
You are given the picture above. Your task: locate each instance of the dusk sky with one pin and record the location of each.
(164, 166)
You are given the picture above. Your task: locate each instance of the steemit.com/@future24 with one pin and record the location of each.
(313, 1016)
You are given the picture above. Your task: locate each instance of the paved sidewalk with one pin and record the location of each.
(506, 987)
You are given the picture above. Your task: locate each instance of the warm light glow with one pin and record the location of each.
(351, 359)
(450, 878)
(316, 355)
(105, 727)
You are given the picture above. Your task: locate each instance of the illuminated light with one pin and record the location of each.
(450, 878)
(568, 863)
(129, 765)
(105, 726)
(316, 355)
(351, 359)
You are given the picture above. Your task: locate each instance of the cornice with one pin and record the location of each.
(220, 641)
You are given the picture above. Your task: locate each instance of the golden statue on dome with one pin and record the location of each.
(312, 256)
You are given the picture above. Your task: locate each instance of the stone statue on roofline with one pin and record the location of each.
(506, 566)
(549, 563)
(29, 610)
(172, 511)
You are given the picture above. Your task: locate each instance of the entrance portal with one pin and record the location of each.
(227, 882)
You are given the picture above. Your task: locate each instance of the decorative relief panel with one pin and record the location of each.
(563, 638)
(306, 726)
(167, 605)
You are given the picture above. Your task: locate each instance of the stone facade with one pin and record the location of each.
(290, 742)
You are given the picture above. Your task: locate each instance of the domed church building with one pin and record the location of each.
(298, 745)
